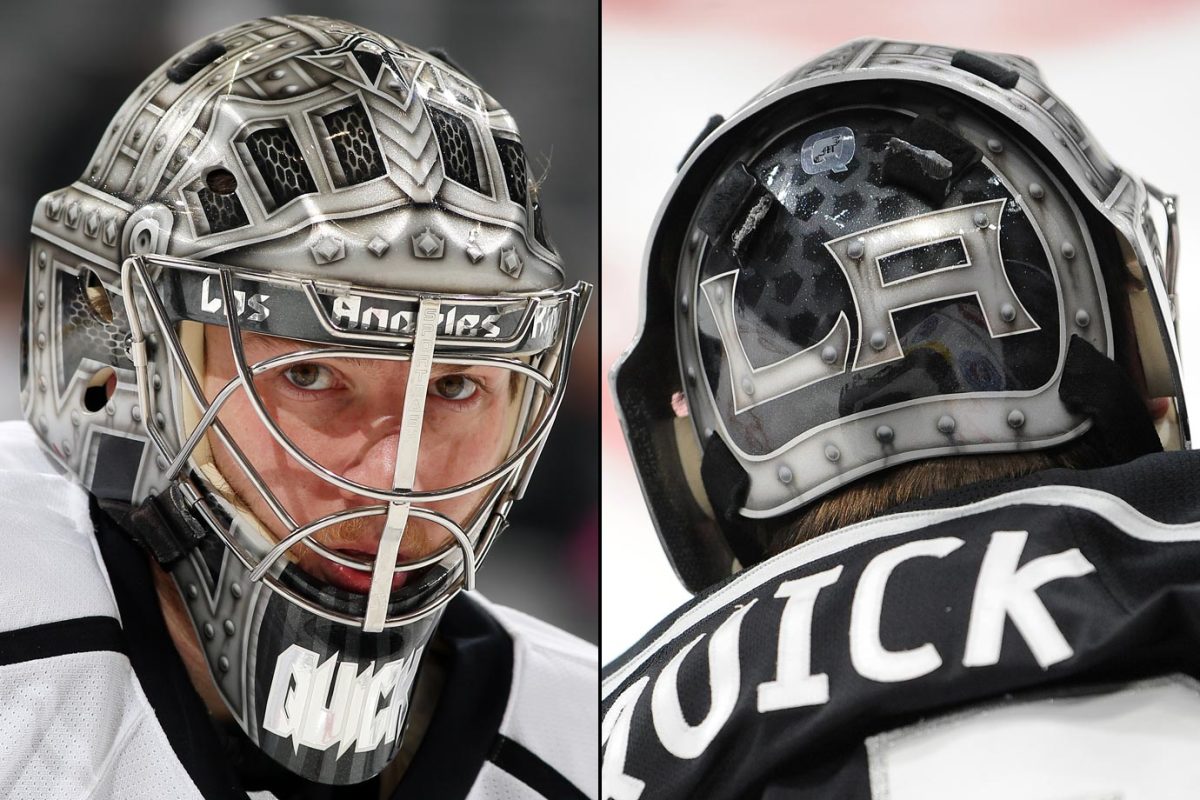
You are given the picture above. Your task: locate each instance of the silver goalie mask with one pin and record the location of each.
(895, 252)
(300, 321)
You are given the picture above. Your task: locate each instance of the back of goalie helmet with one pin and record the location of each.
(896, 252)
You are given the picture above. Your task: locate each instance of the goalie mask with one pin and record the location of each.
(300, 328)
(894, 253)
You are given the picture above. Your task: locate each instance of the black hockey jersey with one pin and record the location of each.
(1029, 638)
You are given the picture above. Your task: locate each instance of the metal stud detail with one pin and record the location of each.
(1007, 312)
(785, 474)
(829, 354)
(946, 424)
(230, 628)
(995, 145)
(209, 633)
(223, 664)
(832, 453)
(109, 235)
(192, 591)
(885, 434)
(855, 250)
(1068, 250)
(510, 262)
(1016, 419)
(1036, 191)
(328, 249)
(748, 386)
(878, 340)
(378, 246)
(1082, 318)
(980, 219)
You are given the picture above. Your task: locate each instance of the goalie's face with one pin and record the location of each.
(346, 414)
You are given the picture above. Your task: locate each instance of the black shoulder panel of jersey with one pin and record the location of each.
(768, 684)
(1163, 486)
(159, 669)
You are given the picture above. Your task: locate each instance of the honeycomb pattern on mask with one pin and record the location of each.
(84, 334)
(354, 145)
(281, 164)
(512, 159)
(224, 212)
(458, 154)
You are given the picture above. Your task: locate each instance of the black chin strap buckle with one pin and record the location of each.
(163, 525)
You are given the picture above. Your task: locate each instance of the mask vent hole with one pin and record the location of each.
(97, 297)
(219, 202)
(221, 181)
(99, 389)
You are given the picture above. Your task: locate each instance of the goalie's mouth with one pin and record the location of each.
(348, 578)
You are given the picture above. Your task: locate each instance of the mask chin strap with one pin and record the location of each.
(1096, 386)
(727, 484)
(406, 465)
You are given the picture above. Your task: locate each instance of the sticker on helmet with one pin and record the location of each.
(827, 151)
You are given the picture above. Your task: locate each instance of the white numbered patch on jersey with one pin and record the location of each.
(1136, 743)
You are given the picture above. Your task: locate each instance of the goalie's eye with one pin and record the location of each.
(310, 376)
(454, 387)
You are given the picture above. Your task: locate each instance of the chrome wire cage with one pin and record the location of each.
(530, 346)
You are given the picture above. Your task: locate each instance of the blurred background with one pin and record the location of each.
(65, 68)
(1126, 68)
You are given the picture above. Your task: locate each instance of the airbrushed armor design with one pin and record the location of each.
(303, 178)
(882, 257)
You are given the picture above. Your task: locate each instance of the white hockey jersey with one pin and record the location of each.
(94, 701)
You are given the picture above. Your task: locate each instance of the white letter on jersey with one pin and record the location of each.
(867, 654)
(1003, 590)
(794, 683)
(614, 731)
(725, 680)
